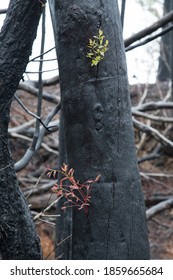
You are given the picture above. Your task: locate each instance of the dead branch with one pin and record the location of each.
(20, 128)
(151, 117)
(154, 132)
(43, 145)
(41, 189)
(150, 39)
(30, 152)
(147, 175)
(3, 11)
(149, 106)
(49, 82)
(159, 207)
(149, 157)
(29, 112)
(34, 91)
(47, 208)
(150, 29)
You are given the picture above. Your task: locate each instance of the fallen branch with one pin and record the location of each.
(154, 132)
(159, 207)
(149, 106)
(43, 145)
(34, 91)
(151, 117)
(47, 208)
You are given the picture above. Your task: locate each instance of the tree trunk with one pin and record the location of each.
(164, 68)
(96, 136)
(18, 239)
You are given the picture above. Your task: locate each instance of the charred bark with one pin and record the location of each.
(18, 239)
(96, 136)
(164, 68)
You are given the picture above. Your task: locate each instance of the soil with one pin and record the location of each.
(156, 188)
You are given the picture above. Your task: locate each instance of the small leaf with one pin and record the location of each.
(100, 32)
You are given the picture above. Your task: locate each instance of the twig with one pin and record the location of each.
(30, 113)
(38, 56)
(41, 71)
(47, 208)
(35, 186)
(57, 245)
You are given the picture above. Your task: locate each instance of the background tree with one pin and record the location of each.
(96, 136)
(17, 232)
(166, 49)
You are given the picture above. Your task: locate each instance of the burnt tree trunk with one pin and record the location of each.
(165, 59)
(96, 136)
(18, 239)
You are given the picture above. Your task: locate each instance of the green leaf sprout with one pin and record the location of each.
(98, 46)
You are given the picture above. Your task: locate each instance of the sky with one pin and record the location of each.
(141, 62)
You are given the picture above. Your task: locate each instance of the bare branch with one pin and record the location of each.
(51, 81)
(34, 91)
(154, 132)
(30, 113)
(149, 106)
(3, 11)
(152, 117)
(146, 41)
(41, 54)
(156, 175)
(159, 207)
(150, 29)
(47, 208)
(43, 145)
(19, 128)
(41, 71)
(29, 153)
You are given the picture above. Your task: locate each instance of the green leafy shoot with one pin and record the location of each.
(98, 46)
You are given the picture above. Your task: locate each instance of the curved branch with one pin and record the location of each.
(159, 207)
(30, 152)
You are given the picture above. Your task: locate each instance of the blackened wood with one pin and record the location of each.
(18, 238)
(166, 50)
(96, 136)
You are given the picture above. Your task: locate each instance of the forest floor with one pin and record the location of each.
(156, 174)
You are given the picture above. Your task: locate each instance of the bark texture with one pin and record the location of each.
(96, 136)
(164, 68)
(18, 239)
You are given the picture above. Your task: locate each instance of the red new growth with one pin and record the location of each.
(77, 194)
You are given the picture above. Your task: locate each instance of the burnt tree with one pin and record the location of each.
(18, 239)
(166, 45)
(96, 136)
